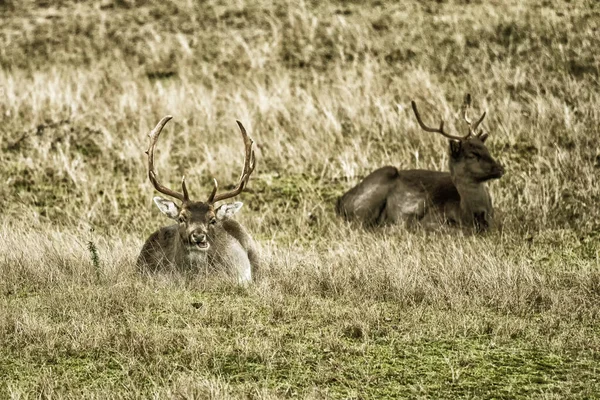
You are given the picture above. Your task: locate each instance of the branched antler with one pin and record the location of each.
(249, 164)
(153, 135)
(439, 130)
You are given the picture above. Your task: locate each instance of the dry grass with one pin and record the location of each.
(324, 89)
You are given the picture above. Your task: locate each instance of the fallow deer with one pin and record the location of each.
(459, 197)
(204, 237)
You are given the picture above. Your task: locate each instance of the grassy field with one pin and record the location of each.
(324, 89)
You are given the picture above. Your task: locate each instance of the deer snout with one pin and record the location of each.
(199, 239)
(498, 171)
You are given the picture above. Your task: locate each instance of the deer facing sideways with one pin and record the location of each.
(204, 237)
(430, 198)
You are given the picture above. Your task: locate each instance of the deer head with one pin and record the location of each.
(198, 221)
(469, 157)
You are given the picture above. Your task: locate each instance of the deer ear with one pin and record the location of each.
(167, 207)
(227, 210)
(455, 148)
(483, 137)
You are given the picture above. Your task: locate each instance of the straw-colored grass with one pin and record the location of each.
(324, 89)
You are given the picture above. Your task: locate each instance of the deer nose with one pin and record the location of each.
(497, 170)
(198, 237)
(501, 169)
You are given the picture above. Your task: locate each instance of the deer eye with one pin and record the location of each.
(212, 221)
(181, 218)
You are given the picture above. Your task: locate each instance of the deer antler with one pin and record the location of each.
(465, 108)
(153, 135)
(249, 164)
(435, 130)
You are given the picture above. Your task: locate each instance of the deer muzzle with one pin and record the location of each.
(497, 171)
(199, 240)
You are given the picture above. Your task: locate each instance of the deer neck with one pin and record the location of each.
(474, 197)
(180, 253)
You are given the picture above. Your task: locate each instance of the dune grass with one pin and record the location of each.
(324, 89)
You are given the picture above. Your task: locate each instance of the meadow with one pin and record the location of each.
(324, 88)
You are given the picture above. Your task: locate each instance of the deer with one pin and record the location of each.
(429, 198)
(204, 237)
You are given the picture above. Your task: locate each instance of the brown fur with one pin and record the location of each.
(389, 195)
(231, 249)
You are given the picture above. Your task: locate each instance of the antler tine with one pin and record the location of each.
(186, 196)
(479, 121)
(465, 109)
(211, 197)
(153, 135)
(249, 164)
(439, 130)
